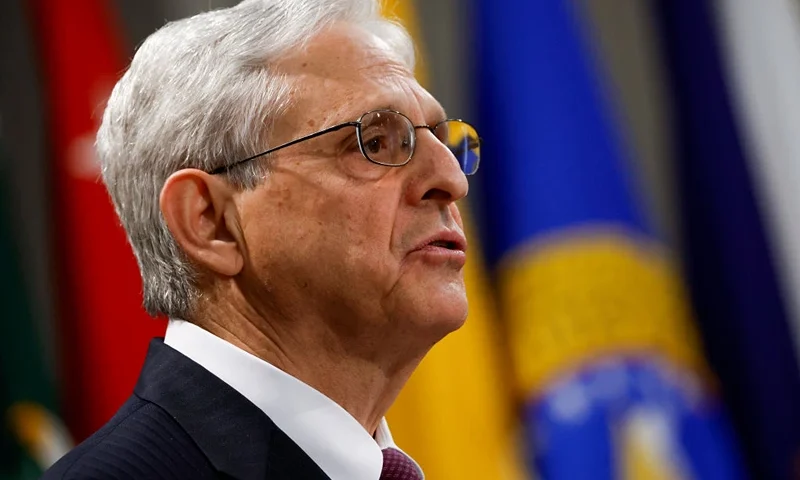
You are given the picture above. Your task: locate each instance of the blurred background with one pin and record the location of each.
(634, 272)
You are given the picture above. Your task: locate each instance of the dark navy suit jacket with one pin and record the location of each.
(184, 423)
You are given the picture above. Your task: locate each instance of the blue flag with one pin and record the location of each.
(730, 264)
(604, 346)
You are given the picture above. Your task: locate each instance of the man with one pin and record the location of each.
(289, 191)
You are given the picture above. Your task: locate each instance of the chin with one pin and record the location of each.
(428, 307)
(443, 311)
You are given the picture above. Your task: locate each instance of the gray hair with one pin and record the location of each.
(201, 93)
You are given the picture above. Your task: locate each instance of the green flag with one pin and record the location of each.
(31, 436)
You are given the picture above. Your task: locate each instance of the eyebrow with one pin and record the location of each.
(441, 114)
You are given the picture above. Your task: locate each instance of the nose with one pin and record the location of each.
(437, 175)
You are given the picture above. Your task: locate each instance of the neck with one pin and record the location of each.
(362, 375)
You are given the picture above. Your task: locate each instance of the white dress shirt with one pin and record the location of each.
(325, 431)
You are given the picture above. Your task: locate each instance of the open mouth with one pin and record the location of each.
(444, 248)
(444, 244)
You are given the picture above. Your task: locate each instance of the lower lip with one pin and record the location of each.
(442, 255)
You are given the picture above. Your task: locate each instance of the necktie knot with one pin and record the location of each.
(397, 466)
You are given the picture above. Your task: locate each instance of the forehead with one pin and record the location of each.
(346, 71)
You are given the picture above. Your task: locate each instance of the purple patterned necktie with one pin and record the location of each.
(397, 466)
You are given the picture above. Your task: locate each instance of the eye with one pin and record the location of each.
(374, 145)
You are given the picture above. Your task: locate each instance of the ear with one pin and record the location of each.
(201, 215)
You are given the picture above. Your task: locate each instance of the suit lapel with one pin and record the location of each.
(237, 437)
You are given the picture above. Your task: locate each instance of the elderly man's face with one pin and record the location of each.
(330, 232)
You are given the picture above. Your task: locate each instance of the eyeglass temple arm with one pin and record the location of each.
(287, 144)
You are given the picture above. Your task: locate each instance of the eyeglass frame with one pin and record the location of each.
(357, 124)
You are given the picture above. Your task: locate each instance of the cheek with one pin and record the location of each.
(340, 233)
(364, 247)
(279, 229)
(368, 232)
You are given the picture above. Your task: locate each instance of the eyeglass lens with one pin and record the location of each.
(388, 138)
(462, 139)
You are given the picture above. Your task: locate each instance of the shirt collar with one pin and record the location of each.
(324, 430)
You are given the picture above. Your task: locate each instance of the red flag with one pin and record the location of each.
(104, 330)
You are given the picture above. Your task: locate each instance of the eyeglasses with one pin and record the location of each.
(386, 137)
